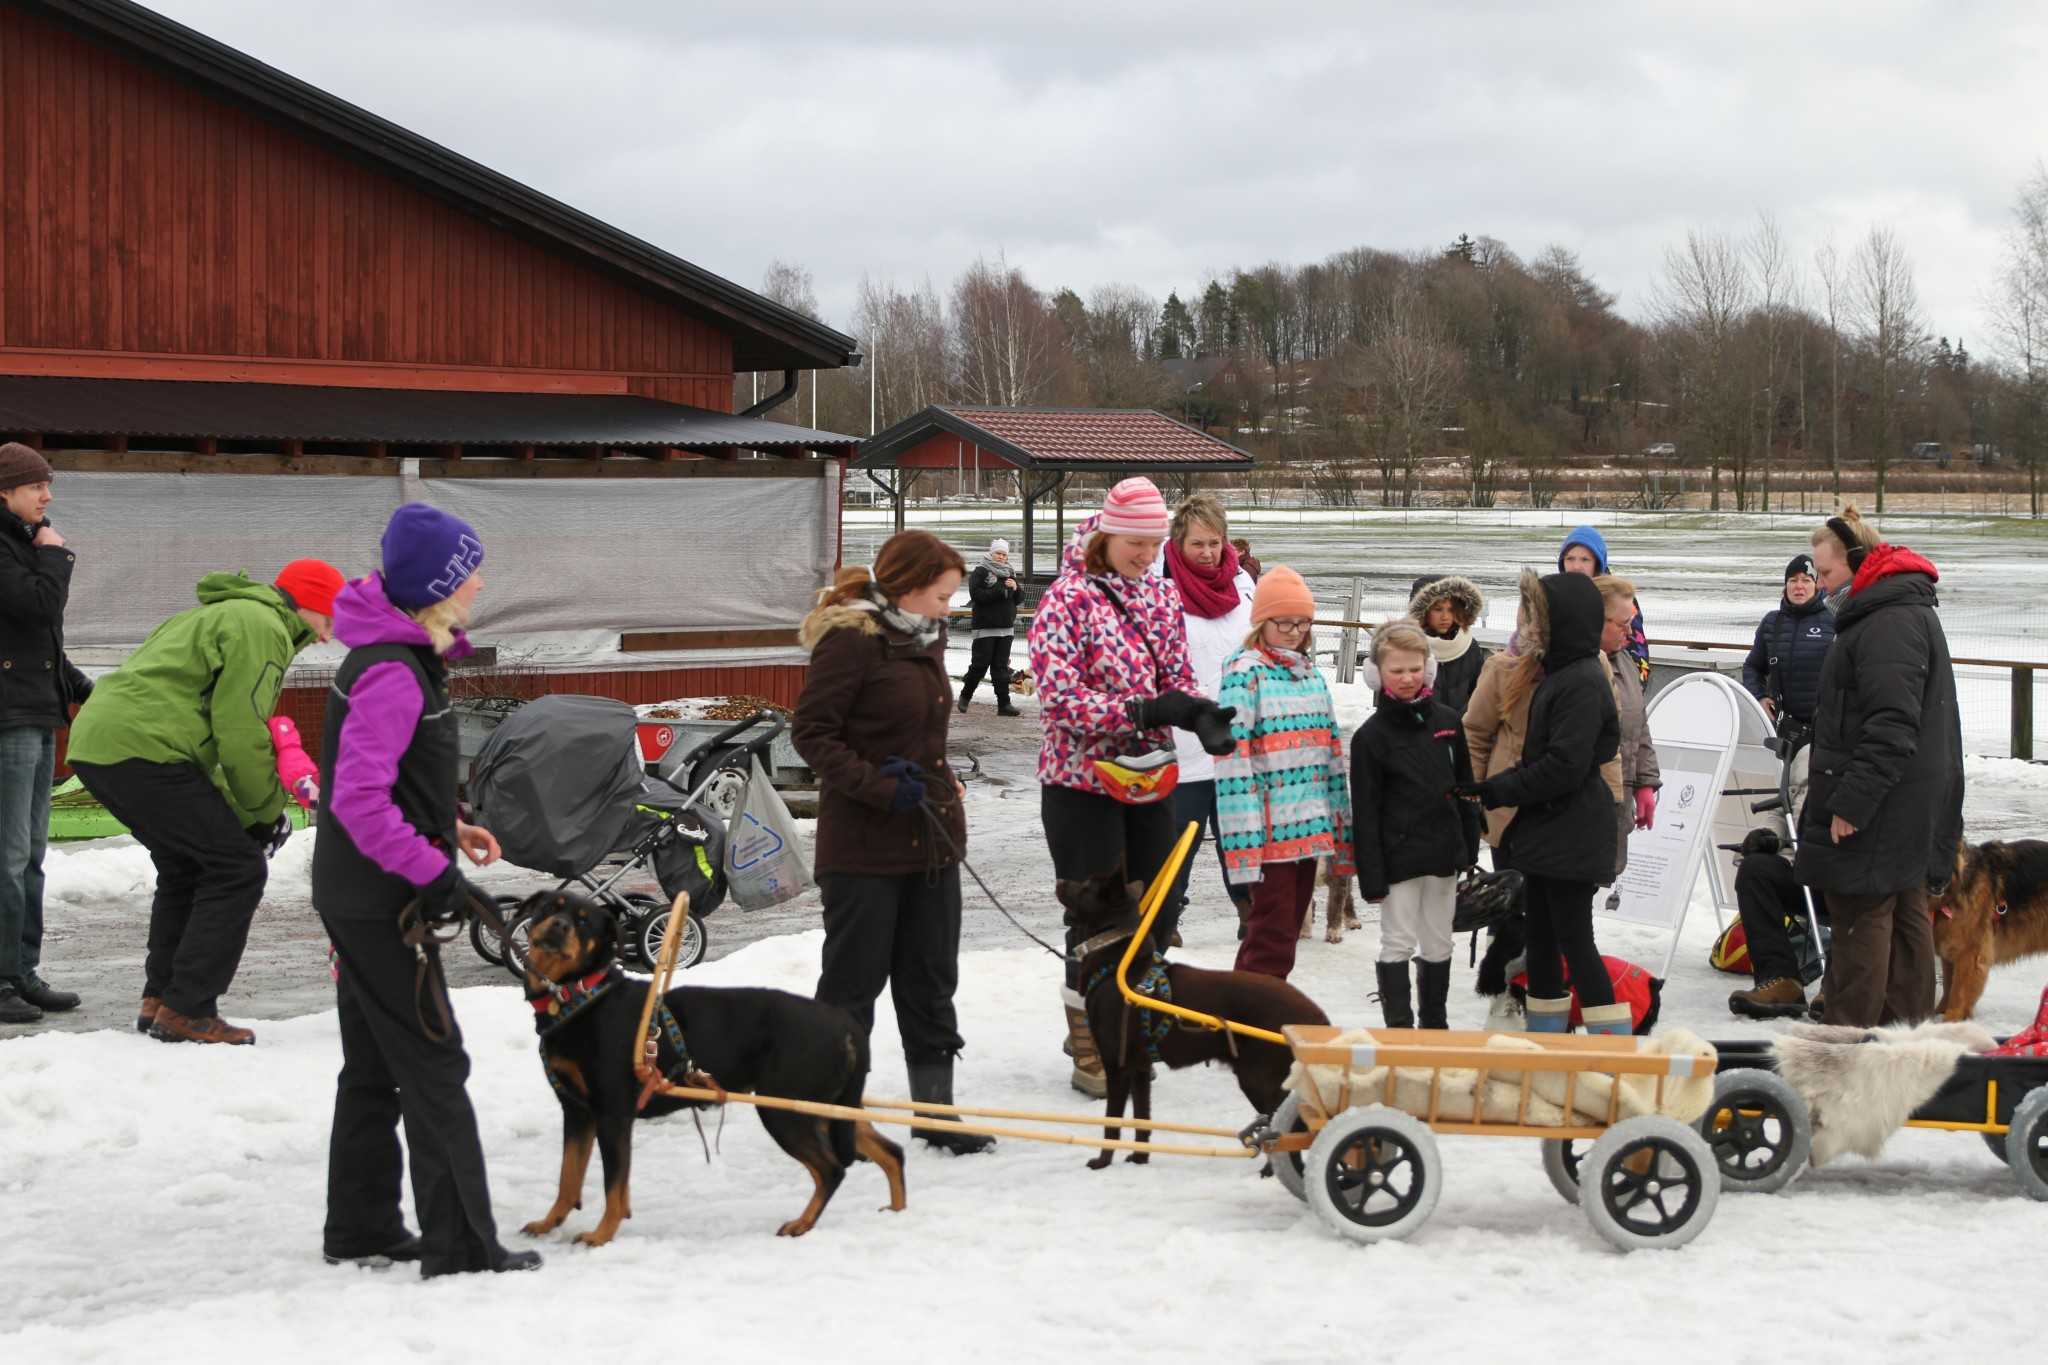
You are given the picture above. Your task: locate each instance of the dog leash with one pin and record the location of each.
(938, 826)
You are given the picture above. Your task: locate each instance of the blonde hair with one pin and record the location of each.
(1863, 532)
(1205, 508)
(440, 621)
(1403, 636)
(1615, 588)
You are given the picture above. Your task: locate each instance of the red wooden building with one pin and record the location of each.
(245, 319)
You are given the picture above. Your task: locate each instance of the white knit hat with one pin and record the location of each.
(999, 546)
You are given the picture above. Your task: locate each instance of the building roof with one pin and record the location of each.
(1063, 439)
(194, 410)
(766, 335)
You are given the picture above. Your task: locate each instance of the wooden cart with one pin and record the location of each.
(1372, 1171)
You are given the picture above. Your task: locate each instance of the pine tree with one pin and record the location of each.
(1464, 249)
(1218, 323)
(1176, 329)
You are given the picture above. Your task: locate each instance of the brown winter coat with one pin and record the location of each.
(872, 695)
(1495, 739)
(1635, 764)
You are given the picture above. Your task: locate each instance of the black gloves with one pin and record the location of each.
(445, 900)
(909, 793)
(1209, 722)
(270, 838)
(1482, 792)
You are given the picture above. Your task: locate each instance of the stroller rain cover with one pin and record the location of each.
(556, 782)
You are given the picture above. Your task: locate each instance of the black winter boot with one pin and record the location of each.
(1394, 1004)
(932, 1083)
(15, 1008)
(1432, 988)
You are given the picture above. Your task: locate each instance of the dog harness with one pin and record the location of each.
(1153, 983)
(556, 1008)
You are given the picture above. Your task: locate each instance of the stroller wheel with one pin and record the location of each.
(654, 929)
(517, 928)
(488, 945)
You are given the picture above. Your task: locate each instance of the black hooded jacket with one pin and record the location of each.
(1405, 821)
(1785, 662)
(1887, 739)
(1564, 827)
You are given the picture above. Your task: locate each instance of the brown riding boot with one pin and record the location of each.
(145, 1018)
(1087, 1077)
(1772, 1000)
(173, 1027)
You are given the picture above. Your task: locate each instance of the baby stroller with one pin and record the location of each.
(562, 785)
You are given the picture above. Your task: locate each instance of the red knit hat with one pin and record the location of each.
(312, 584)
(1134, 508)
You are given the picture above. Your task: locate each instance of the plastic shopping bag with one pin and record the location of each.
(764, 865)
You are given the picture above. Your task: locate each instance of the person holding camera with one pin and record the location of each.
(175, 743)
(391, 840)
(38, 686)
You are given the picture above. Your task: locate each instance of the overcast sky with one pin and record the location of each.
(1155, 144)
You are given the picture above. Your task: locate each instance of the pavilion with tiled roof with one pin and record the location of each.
(1047, 446)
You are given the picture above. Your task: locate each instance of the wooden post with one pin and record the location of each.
(1347, 646)
(1024, 491)
(2022, 712)
(1060, 515)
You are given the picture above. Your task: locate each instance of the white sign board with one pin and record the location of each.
(1696, 724)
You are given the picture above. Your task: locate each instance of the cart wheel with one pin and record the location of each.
(2026, 1143)
(1760, 1129)
(517, 930)
(654, 929)
(1288, 1167)
(1996, 1142)
(1650, 1182)
(722, 797)
(1561, 1160)
(1374, 1174)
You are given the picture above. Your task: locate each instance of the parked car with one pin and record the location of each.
(1660, 450)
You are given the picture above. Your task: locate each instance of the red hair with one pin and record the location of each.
(907, 561)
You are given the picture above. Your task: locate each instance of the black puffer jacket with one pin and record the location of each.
(1785, 662)
(37, 682)
(995, 606)
(1405, 822)
(1887, 739)
(1564, 827)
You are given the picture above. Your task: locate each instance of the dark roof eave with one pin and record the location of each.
(880, 451)
(495, 196)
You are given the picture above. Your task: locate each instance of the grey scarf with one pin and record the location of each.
(997, 567)
(923, 631)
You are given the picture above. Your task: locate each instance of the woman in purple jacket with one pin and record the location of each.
(389, 837)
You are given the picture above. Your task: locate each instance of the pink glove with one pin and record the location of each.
(299, 773)
(1646, 807)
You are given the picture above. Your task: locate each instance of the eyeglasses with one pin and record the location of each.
(1291, 622)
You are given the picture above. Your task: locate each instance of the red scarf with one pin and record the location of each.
(1208, 593)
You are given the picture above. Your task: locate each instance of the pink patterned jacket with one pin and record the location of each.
(1088, 660)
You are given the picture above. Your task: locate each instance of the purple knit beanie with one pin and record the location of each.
(427, 555)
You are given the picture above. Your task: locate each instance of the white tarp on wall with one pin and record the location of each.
(592, 557)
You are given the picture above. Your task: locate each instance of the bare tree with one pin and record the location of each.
(1702, 299)
(1414, 373)
(904, 335)
(1777, 286)
(1827, 262)
(1887, 309)
(1004, 349)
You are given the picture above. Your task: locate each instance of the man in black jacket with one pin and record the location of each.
(992, 588)
(38, 685)
(1783, 667)
(1884, 804)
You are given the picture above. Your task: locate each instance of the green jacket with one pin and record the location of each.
(201, 690)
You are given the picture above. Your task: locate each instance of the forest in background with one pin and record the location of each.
(1472, 372)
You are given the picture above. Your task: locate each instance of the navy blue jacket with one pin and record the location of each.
(1785, 662)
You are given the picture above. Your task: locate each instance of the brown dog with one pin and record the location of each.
(1995, 910)
(1105, 911)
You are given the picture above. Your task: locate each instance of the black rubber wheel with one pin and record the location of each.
(485, 940)
(1561, 1160)
(517, 929)
(1374, 1174)
(1760, 1129)
(654, 929)
(1290, 1168)
(1649, 1182)
(2026, 1144)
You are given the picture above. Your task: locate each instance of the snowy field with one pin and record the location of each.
(165, 1203)
(1699, 577)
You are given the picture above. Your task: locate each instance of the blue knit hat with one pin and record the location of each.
(427, 555)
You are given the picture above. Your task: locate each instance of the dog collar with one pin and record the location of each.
(564, 1002)
(1121, 934)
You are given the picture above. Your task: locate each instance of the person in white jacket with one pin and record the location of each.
(1216, 605)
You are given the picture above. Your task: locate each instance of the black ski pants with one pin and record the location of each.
(1559, 921)
(209, 876)
(991, 656)
(1766, 892)
(1091, 835)
(391, 1072)
(903, 932)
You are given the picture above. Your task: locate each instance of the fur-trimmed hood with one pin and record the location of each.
(1561, 620)
(1462, 593)
(827, 617)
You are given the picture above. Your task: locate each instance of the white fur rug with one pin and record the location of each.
(1863, 1084)
(1591, 1092)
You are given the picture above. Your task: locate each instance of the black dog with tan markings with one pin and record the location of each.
(587, 1012)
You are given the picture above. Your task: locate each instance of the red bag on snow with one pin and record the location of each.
(1634, 987)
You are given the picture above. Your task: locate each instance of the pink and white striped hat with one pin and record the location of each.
(1134, 508)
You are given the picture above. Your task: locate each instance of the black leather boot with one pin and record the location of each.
(932, 1083)
(1432, 989)
(46, 997)
(1394, 1006)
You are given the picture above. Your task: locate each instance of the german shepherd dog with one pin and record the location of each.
(588, 1015)
(1995, 910)
(1101, 908)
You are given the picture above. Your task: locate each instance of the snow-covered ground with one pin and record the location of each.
(164, 1203)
